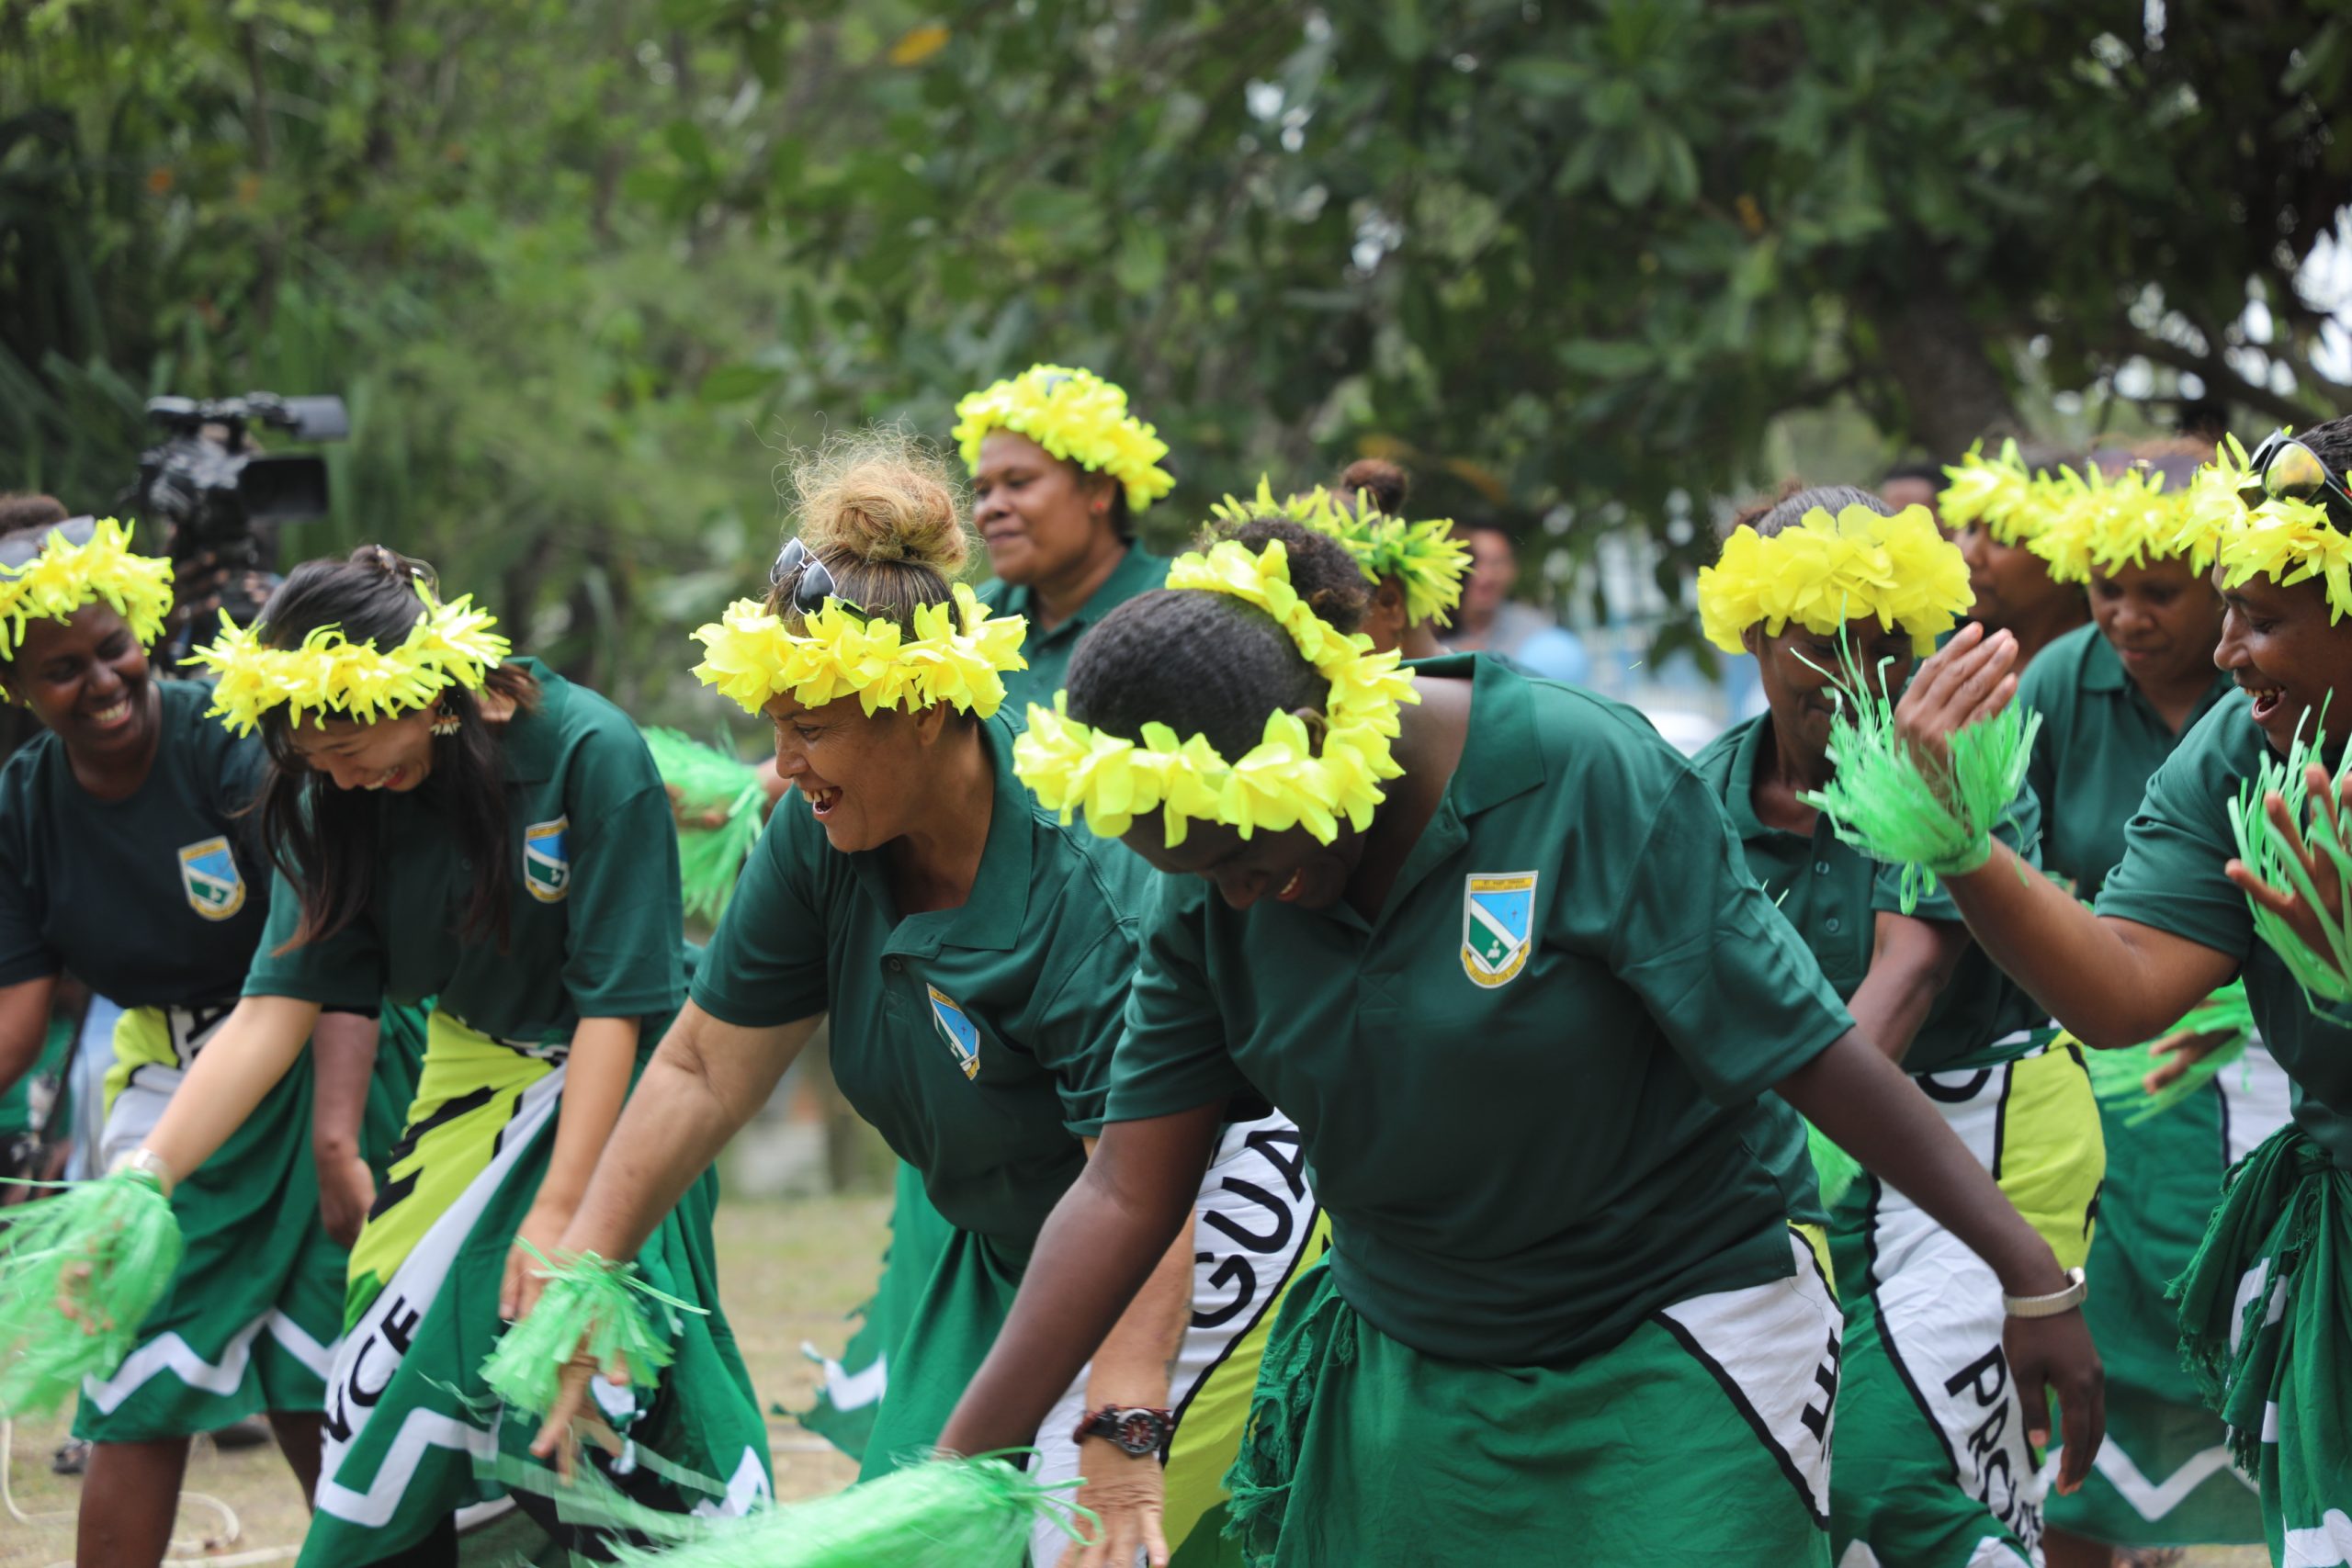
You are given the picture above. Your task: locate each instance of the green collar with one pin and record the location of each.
(1739, 794)
(1501, 758)
(989, 919)
(533, 742)
(1138, 572)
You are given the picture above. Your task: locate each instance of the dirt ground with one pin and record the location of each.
(792, 1268)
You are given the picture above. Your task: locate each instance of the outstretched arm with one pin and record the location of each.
(234, 1072)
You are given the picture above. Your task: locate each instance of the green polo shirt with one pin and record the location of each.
(978, 1039)
(2171, 878)
(154, 900)
(1532, 1090)
(1833, 894)
(595, 927)
(1138, 572)
(2100, 741)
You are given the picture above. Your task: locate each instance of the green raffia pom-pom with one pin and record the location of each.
(2325, 977)
(1835, 1168)
(119, 1242)
(592, 1306)
(2117, 1077)
(944, 1513)
(1884, 805)
(709, 781)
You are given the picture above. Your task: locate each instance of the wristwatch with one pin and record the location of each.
(1137, 1428)
(2077, 1290)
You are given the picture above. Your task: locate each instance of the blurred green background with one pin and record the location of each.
(584, 270)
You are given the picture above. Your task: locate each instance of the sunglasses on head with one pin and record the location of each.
(816, 582)
(2283, 468)
(18, 553)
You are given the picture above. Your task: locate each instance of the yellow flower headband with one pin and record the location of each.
(2097, 524)
(1076, 416)
(1998, 493)
(65, 576)
(330, 676)
(1281, 783)
(958, 654)
(1425, 558)
(2286, 540)
(1825, 571)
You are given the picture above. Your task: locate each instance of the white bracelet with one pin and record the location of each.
(148, 1162)
(2077, 1292)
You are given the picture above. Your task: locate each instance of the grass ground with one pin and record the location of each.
(793, 1270)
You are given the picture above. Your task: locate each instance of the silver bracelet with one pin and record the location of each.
(2077, 1292)
(148, 1162)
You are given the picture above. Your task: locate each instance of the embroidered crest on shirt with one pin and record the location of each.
(546, 871)
(1498, 925)
(209, 873)
(957, 1030)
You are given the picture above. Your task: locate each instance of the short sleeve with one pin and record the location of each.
(767, 961)
(345, 973)
(1077, 1028)
(623, 924)
(1740, 999)
(2178, 842)
(1172, 1056)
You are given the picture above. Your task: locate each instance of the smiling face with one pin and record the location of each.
(392, 753)
(1799, 671)
(2161, 619)
(1041, 518)
(1287, 867)
(857, 774)
(87, 680)
(2278, 645)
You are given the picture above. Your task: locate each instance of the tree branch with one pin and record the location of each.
(2220, 381)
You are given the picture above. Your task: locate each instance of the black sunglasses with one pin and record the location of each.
(816, 584)
(23, 551)
(2284, 469)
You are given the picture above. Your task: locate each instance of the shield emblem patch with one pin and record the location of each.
(546, 871)
(208, 874)
(962, 1036)
(1498, 925)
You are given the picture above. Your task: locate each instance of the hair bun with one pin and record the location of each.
(881, 495)
(1379, 481)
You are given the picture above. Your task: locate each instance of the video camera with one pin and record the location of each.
(207, 484)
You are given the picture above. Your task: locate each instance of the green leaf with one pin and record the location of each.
(735, 383)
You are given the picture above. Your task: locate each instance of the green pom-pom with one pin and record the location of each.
(947, 1513)
(715, 785)
(592, 1306)
(1835, 1168)
(109, 1247)
(1886, 806)
(2326, 976)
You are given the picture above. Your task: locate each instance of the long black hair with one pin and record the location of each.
(324, 840)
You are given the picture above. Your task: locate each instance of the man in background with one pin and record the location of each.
(1489, 620)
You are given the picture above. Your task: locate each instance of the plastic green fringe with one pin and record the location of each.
(708, 781)
(1885, 806)
(107, 1247)
(2116, 1077)
(945, 1513)
(593, 1304)
(1260, 1481)
(1835, 1168)
(2325, 977)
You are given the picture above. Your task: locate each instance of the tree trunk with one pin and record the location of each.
(1939, 360)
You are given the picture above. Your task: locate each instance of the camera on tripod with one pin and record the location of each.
(213, 492)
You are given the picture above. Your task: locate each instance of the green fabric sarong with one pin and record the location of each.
(854, 1386)
(1700, 1439)
(2265, 1323)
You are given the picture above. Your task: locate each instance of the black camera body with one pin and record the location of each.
(211, 492)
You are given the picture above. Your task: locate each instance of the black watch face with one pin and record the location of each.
(1140, 1432)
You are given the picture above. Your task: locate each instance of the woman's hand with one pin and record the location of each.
(1128, 1493)
(576, 1407)
(347, 1194)
(1967, 680)
(2181, 1052)
(2300, 914)
(2054, 1355)
(543, 1227)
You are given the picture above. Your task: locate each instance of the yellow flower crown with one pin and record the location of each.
(2099, 524)
(958, 654)
(1281, 783)
(2286, 540)
(66, 576)
(1076, 416)
(1825, 571)
(1998, 493)
(1425, 558)
(330, 676)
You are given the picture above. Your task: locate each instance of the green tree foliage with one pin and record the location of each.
(580, 265)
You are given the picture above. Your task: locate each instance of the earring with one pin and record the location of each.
(443, 721)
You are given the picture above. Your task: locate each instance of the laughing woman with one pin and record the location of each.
(448, 822)
(1933, 1466)
(126, 858)
(973, 954)
(1490, 943)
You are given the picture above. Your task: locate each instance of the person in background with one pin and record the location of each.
(1914, 484)
(1994, 509)
(1490, 621)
